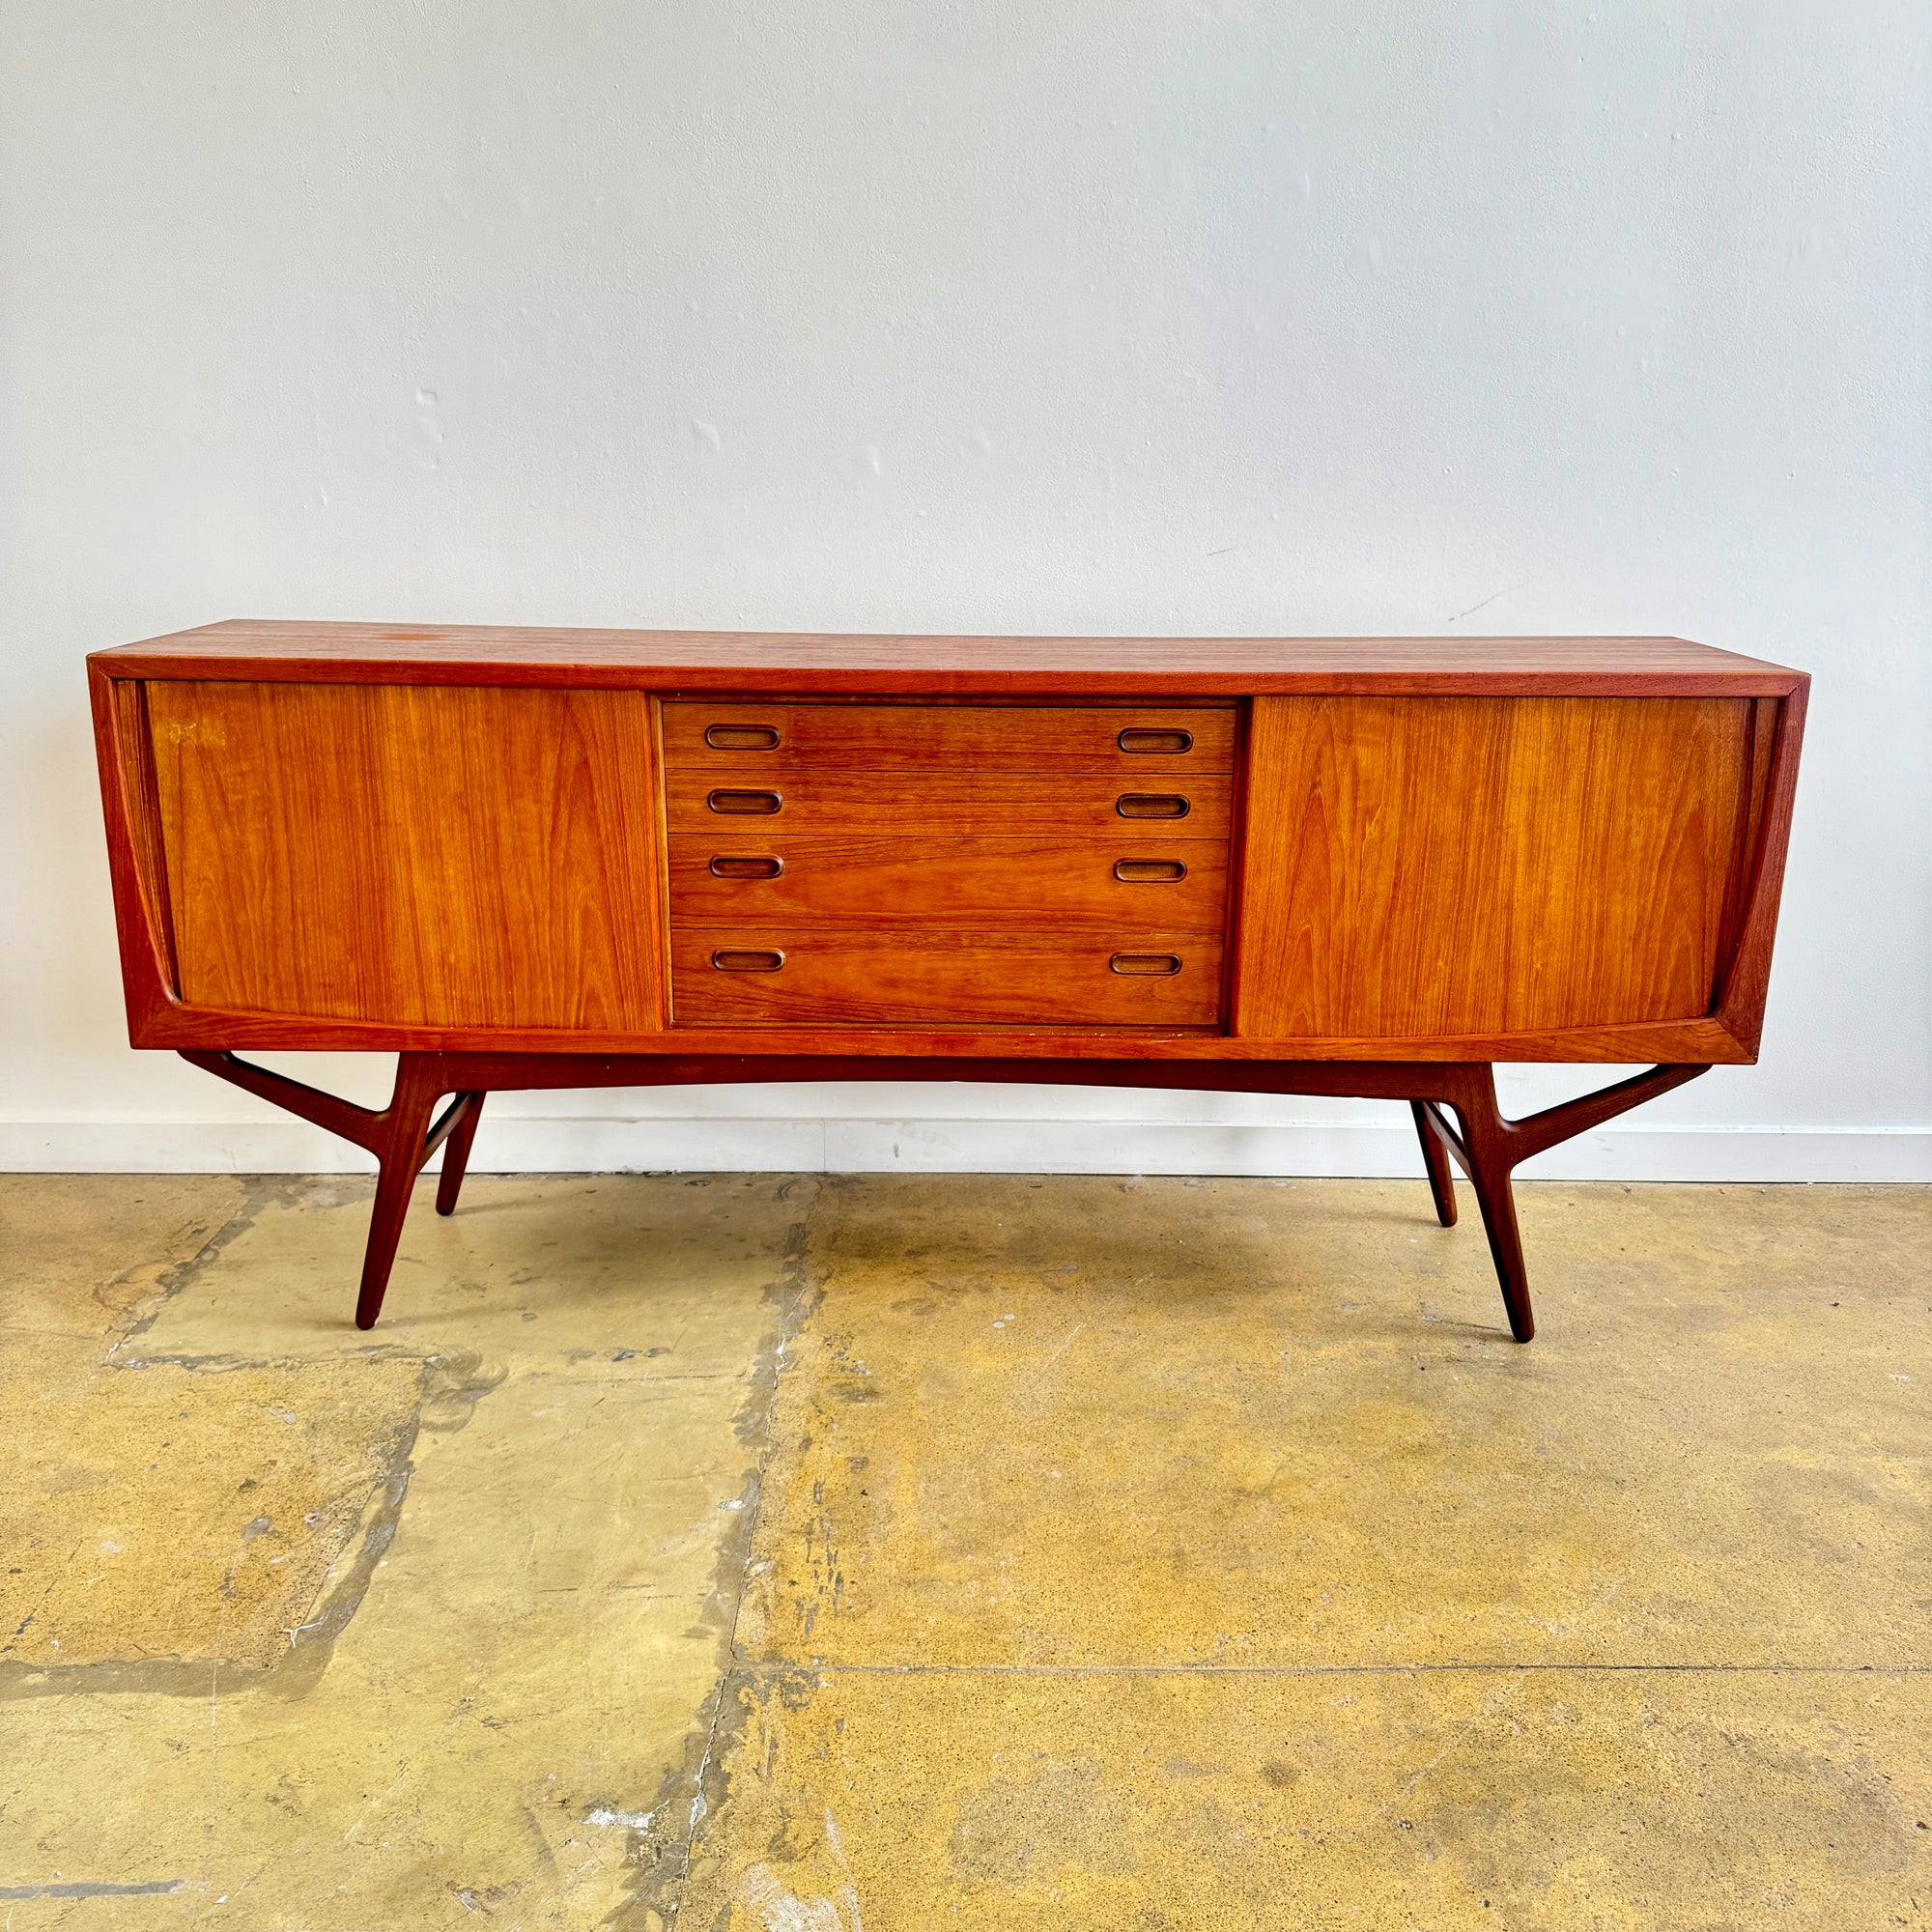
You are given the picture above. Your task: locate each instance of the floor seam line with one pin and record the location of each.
(790, 1665)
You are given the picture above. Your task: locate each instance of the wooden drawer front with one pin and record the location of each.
(1132, 740)
(949, 865)
(944, 804)
(738, 877)
(816, 974)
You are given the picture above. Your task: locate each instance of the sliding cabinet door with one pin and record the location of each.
(412, 854)
(1426, 866)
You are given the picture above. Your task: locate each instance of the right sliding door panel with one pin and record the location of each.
(1431, 866)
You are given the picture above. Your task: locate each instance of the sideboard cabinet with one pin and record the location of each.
(523, 857)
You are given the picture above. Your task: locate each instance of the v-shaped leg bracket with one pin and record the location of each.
(1490, 1147)
(402, 1137)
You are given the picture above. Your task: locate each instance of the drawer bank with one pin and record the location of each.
(536, 858)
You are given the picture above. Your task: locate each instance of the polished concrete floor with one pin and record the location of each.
(879, 1555)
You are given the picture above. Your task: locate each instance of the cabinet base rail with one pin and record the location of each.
(1486, 1144)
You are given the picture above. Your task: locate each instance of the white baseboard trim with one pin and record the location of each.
(578, 1143)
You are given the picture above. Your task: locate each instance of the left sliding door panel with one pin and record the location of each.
(413, 854)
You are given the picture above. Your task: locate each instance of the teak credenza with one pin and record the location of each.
(528, 858)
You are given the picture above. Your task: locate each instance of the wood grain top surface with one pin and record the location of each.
(804, 663)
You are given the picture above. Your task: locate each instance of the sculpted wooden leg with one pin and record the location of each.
(1488, 1165)
(456, 1152)
(400, 1137)
(1490, 1147)
(1435, 1159)
(1496, 1198)
(1478, 1140)
(406, 1142)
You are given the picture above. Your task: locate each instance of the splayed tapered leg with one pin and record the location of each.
(406, 1142)
(1490, 1176)
(456, 1152)
(1488, 1146)
(1481, 1140)
(1435, 1160)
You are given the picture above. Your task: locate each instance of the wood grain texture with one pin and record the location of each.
(944, 862)
(1483, 867)
(886, 880)
(946, 803)
(1037, 738)
(1740, 1003)
(229, 1010)
(415, 855)
(206, 1027)
(772, 663)
(1747, 829)
(136, 752)
(130, 813)
(843, 976)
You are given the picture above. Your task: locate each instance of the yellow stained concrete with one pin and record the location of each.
(82, 1251)
(1230, 1421)
(1229, 1800)
(160, 1516)
(1128, 1555)
(152, 1513)
(502, 1702)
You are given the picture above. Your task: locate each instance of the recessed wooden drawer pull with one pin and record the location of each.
(1149, 872)
(746, 868)
(1155, 741)
(741, 737)
(745, 804)
(1146, 965)
(1150, 805)
(735, 960)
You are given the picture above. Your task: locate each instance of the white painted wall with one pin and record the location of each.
(1338, 316)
